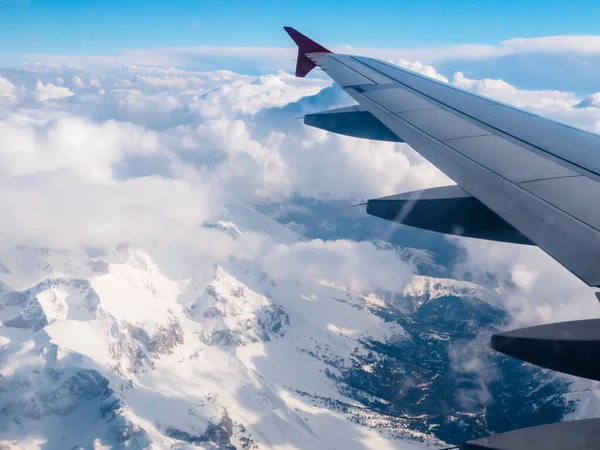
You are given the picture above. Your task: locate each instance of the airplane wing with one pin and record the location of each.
(521, 178)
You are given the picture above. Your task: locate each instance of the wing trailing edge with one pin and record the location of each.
(305, 45)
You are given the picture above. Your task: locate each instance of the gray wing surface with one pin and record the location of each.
(540, 176)
(520, 178)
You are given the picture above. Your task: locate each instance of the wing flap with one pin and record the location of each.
(509, 160)
(559, 192)
(442, 125)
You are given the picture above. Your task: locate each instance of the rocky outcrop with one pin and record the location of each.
(231, 314)
(135, 347)
(218, 434)
(80, 387)
(51, 299)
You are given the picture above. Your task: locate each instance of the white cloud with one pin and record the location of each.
(329, 166)
(563, 106)
(271, 58)
(265, 91)
(77, 81)
(536, 289)
(47, 66)
(7, 90)
(72, 178)
(555, 44)
(591, 101)
(50, 91)
(360, 266)
(417, 66)
(500, 90)
(60, 210)
(87, 148)
(171, 81)
(158, 152)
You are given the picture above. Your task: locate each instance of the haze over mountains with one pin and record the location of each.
(180, 268)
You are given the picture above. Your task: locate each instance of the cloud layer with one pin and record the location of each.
(147, 156)
(272, 57)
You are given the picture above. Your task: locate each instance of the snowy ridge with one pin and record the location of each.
(432, 288)
(229, 358)
(233, 315)
(49, 300)
(425, 289)
(140, 360)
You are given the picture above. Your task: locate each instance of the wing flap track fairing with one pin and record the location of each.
(448, 210)
(351, 122)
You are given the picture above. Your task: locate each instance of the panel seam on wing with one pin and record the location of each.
(538, 150)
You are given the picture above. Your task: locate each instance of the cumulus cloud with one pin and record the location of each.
(417, 66)
(555, 44)
(148, 155)
(544, 45)
(273, 90)
(505, 92)
(50, 91)
(536, 288)
(71, 142)
(558, 105)
(171, 81)
(153, 158)
(60, 210)
(358, 265)
(7, 90)
(591, 101)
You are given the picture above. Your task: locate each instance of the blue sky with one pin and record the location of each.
(108, 27)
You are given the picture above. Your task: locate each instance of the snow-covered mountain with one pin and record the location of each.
(117, 354)
(144, 304)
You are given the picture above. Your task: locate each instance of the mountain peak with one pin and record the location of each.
(231, 314)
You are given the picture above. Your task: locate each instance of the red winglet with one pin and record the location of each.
(305, 45)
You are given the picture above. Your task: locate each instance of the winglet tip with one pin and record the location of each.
(305, 45)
